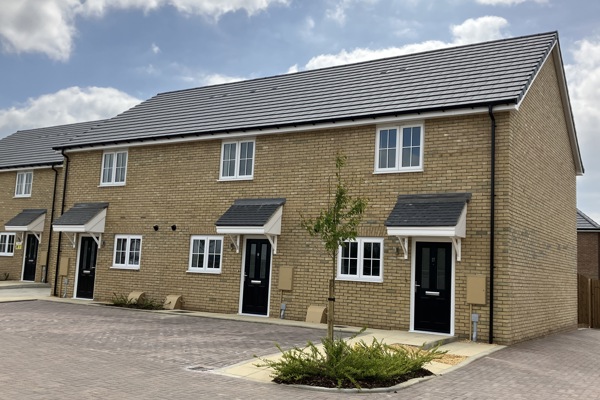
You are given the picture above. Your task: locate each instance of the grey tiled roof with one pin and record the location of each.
(250, 212)
(80, 214)
(586, 223)
(33, 147)
(26, 217)
(442, 209)
(497, 72)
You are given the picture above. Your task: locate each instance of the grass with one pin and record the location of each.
(119, 300)
(343, 365)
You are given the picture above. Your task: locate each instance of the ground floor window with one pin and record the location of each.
(128, 251)
(7, 244)
(206, 253)
(361, 260)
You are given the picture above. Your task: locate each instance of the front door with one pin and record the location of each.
(30, 258)
(433, 287)
(86, 270)
(257, 267)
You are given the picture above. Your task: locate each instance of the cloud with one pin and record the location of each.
(49, 26)
(337, 12)
(66, 106)
(508, 2)
(210, 79)
(470, 31)
(583, 77)
(155, 48)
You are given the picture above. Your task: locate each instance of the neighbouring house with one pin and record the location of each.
(31, 177)
(588, 246)
(459, 152)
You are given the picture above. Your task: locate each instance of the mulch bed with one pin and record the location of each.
(364, 384)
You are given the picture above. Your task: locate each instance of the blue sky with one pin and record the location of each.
(65, 61)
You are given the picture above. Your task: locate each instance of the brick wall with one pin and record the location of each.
(588, 254)
(10, 206)
(537, 254)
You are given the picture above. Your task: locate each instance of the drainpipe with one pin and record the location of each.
(62, 208)
(51, 221)
(492, 224)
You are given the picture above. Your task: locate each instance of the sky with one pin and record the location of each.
(66, 61)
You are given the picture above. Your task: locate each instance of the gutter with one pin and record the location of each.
(492, 219)
(62, 211)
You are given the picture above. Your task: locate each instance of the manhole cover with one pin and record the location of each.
(200, 368)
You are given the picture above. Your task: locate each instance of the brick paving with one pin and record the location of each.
(65, 351)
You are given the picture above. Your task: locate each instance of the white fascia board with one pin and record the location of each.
(431, 231)
(241, 230)
(302, 128)
(29, 168)
(35, 226)
(69, 228)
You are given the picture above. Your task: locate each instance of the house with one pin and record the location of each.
(31, 176)
(588, 246)
(459, 152)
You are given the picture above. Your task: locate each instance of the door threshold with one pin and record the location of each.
(253, 315)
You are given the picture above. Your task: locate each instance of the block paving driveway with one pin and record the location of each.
(52, 350)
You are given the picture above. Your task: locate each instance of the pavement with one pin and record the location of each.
(74, 349)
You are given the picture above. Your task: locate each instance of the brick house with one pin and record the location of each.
(588, 246)
(459, 151)
(31, 177)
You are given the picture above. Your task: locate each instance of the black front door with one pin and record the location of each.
(433, 287)
(255, 299)
(30, 258)
(86, 270)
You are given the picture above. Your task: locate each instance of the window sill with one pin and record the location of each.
(24, 196)
(6, 255)
(397, 171)
(249, 178)
(125, 267)
(111, 184)
(367, 280)
(191, 271)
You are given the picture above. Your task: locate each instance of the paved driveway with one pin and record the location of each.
(52, 350)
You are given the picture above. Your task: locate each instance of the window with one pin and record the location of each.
(399, 149)
(361, 260)
(24, 182)
(128, 251)
(114, 168)
(206, 253)
(7, 244)
(237, 160)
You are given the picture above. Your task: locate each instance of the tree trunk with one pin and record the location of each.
(331, 301)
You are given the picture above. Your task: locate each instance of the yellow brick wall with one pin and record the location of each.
(10, 206)
(538, 279)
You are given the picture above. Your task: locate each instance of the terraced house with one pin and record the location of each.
(459, 152)
(31, 176)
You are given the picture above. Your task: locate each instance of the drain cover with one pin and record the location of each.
(200, 368)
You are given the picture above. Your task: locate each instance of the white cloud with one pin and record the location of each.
(337, 12)
(583, 77)
(155, 48)
(210, 79)
(508, 2)
(471, 31)
(66, 106)
(48, 26)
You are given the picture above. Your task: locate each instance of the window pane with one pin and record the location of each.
(10, 247)
(345, 266)
(406, 157)
(387, 148)
(108, 168)
(28, 179)
(214, 254)
(411, 147)
(197, 253)
(19, 188)
(134, 251)
(441, 268)
(229, 159)
(406, 137)
(416, 136)
(3, 239)
(416, 154)
(120, 251)
(353, 267)
(246, 155)
(263, 262)
(121, 167)
(383, 158)
(354, 250)
(425, 268)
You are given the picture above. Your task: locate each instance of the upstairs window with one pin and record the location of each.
(7, 244)
(399, 149)
(24, 183)
(128, 252)
(237, 160)
(361, 260)
(206, 253)
(114, 168)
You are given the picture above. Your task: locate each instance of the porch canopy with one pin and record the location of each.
(252, 217)
(430, 215)
(83, 218)
(27, 221)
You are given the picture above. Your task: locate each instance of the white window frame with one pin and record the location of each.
(22, 189)
(399, 146)
(127, 264)
(5, 238)
(238, 149)
(360, 258)
(113, 173)
(205, 269)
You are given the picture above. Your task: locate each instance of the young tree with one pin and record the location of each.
(335, 225)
